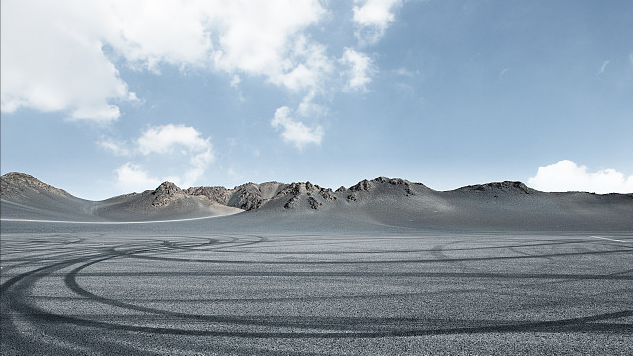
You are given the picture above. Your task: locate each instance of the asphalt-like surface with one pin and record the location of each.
(80, 289)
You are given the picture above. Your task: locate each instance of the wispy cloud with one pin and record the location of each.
(116, 148)
(404, 72)
(603, 66)
(568, 176)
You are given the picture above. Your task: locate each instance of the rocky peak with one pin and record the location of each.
(167, 188)
(167, 193)
(247, 197)
(363, 185)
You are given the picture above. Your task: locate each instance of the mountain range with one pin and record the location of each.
(390, 201)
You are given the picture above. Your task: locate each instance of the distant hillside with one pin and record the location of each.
(386, 201)
(19, 185)
(25, 197)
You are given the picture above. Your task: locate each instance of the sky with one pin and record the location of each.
(103, 98)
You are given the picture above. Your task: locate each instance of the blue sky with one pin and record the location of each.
(105, 98)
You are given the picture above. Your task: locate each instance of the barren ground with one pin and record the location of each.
(198, 287)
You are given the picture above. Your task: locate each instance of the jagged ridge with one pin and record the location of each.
(391, 201)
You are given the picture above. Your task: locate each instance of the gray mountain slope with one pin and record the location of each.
(25, 197)
(381, 201)
(493, 206)
(165, 202)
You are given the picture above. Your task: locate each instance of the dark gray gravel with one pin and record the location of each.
(202, 287)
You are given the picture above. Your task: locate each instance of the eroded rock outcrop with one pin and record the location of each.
(398, 182)
(166, 194)
(506, 186)
(219, 195)
(362, 186)
(312, 192)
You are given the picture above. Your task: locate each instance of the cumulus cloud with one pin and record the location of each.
(265, 38)
(164, 139)
(360, 68)
(51, 63)
(63, 56)
(372, 17)
(180, 140)
(173, 148)
(133, 178)
(294, 131)
(58, 56)
(568, 176)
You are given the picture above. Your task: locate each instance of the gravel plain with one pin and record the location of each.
(207, 288)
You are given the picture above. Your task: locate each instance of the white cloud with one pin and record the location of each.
(115, 147)
(148, 33)
(58, 56)
(406, 72)
(168, 149)
(133, 178)
(568, 176)
(235, 80)
(604, 66)
(50, 62)
(360, 69)
(307, 108)
(265, 38)
(62, 56)
(294, 131)
(373, 17)
(164, 139)
(179, 140)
